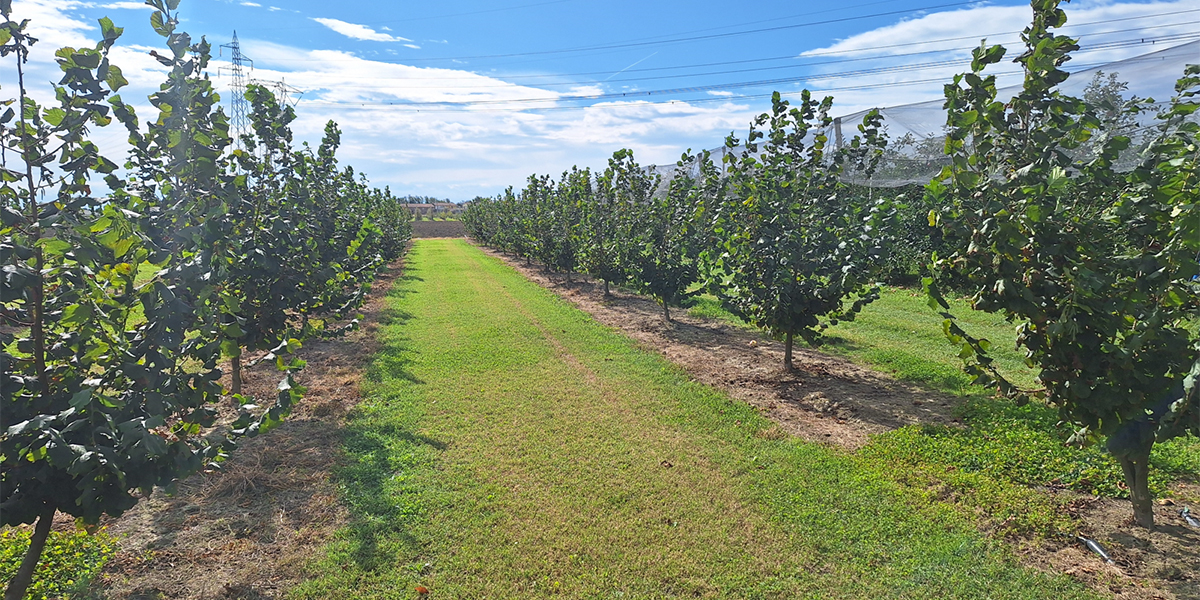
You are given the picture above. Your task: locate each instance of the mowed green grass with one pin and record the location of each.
(509, 446)
(899, 333)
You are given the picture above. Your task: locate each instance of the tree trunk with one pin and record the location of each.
(606, 292)
(667, 312)
(37, 293)
(1136, 477)
(787, 352)
(16, 588)
(235, 372)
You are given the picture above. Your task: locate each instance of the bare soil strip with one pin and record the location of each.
(438, 229)
(247, 531)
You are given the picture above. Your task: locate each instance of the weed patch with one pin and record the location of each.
(70, 562)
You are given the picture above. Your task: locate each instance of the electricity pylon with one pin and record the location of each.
(239, 121)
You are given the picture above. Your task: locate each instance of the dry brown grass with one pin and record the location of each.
(248, 530)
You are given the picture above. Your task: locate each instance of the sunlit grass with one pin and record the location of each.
(509, 446)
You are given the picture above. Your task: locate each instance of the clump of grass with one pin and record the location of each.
(997, 463)
(1005, 508)
(706, 306)
(1026, 445)
(69, 563)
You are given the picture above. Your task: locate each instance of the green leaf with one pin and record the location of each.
(54, 247)
(81, 398)
(155, 446)
(160, 25)
(115, 79)
(1034, 212)
(76, 315)
(109, 31)
(88, 59)
(122, 245)
(54, 116)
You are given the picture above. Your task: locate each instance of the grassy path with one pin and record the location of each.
(509, 446)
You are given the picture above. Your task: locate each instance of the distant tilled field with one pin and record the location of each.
(438, 229)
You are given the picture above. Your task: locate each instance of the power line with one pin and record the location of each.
(954, 39)
(1102, 45)
(643, 104)
(281, 90)
(433, 17)
(636, 44)
(504, 9)
(865, 49)
(723, 86)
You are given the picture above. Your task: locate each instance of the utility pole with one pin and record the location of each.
(239, 120)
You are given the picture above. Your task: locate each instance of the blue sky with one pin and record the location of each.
(457, 99)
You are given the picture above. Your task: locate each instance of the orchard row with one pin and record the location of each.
(119, 310)
(1039, 215)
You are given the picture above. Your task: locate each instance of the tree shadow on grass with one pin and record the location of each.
(841, 343)
(392, 362)
(403, 286)
(376, 479)
(394, 316)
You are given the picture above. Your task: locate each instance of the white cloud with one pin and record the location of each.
(254, 4)
(413, 46)
(52, 26)
(586, 90)
(720, 93)
(127, 6)
(971, 23)
(344, 77)
(358, 32)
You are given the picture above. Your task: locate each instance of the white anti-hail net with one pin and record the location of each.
(915, 131)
